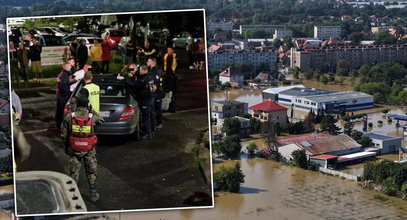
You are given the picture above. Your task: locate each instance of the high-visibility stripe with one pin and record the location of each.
(81, 129)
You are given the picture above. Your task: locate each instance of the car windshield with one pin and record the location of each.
(112, 90)
(53, 40)
(36, 196)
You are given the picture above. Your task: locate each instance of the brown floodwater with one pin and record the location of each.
(276, 191)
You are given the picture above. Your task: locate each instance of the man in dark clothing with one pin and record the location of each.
(145, 85)
(149, 51)
(63, 93)
(82, 54)
(159, 94)
(35, 57)
(169, 79)
(73, 47)
(22, 54)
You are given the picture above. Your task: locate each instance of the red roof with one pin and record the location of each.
(267, 106)
(324, 156)
(302, 138)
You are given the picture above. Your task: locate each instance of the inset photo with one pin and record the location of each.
(110, 112)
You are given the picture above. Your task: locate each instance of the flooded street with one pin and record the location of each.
(276, 191)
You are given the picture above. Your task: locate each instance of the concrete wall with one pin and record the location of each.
(340, 174)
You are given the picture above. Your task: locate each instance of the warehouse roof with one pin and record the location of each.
(304, 92)
(228, 102)
(338, 96)
(329, 144)
(380, 136)
(277, 90)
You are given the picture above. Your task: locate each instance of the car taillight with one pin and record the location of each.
(127, 113)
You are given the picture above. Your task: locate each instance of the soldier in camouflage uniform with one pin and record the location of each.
(80, 141)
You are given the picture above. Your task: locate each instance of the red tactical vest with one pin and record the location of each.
(82, 137)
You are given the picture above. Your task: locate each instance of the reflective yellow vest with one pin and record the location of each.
(174, 62)
(93, 90)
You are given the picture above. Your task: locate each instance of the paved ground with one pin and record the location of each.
(157, 173)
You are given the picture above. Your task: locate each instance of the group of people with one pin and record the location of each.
(99, 54)
(24, 55)
(149, 85)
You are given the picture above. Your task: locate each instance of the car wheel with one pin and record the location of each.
(136, 133)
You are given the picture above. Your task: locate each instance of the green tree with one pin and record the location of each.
(256, 125)
(402, 98)
(328, 124)
(365, 141)
(348, 128)
(308, 122)
(251, 148)
(230, 147)
(231, 126)
(229, 178)
(300, 158)
(277, 43)
(384, 37)
(355, 37)
(342, 67)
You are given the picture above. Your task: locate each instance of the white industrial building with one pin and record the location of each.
(319, 100)
(384, 144)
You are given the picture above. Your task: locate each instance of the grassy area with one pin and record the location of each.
(347, 84)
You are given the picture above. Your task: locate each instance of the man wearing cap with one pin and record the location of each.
(91, 91)
(80, 142)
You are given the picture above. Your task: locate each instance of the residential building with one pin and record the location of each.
(384, 144)
(327, 58)
(212, 26)
(281, 33)
(270, 111)
(270, 28)
(379, 29)
(220, 36)
(267, 58)
(231, 75)
(245, 126)
(222, 109)
(327, 32)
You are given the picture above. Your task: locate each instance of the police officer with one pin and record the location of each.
(146, 87)
(169, 79)
(91, 91)
(80, 141)
(63, 92)
(159, 94)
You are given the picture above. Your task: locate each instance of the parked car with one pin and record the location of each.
(49, 40)
(70, 37)
(118, 107)
(115, 36)
(181, 40)
(58, 31)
